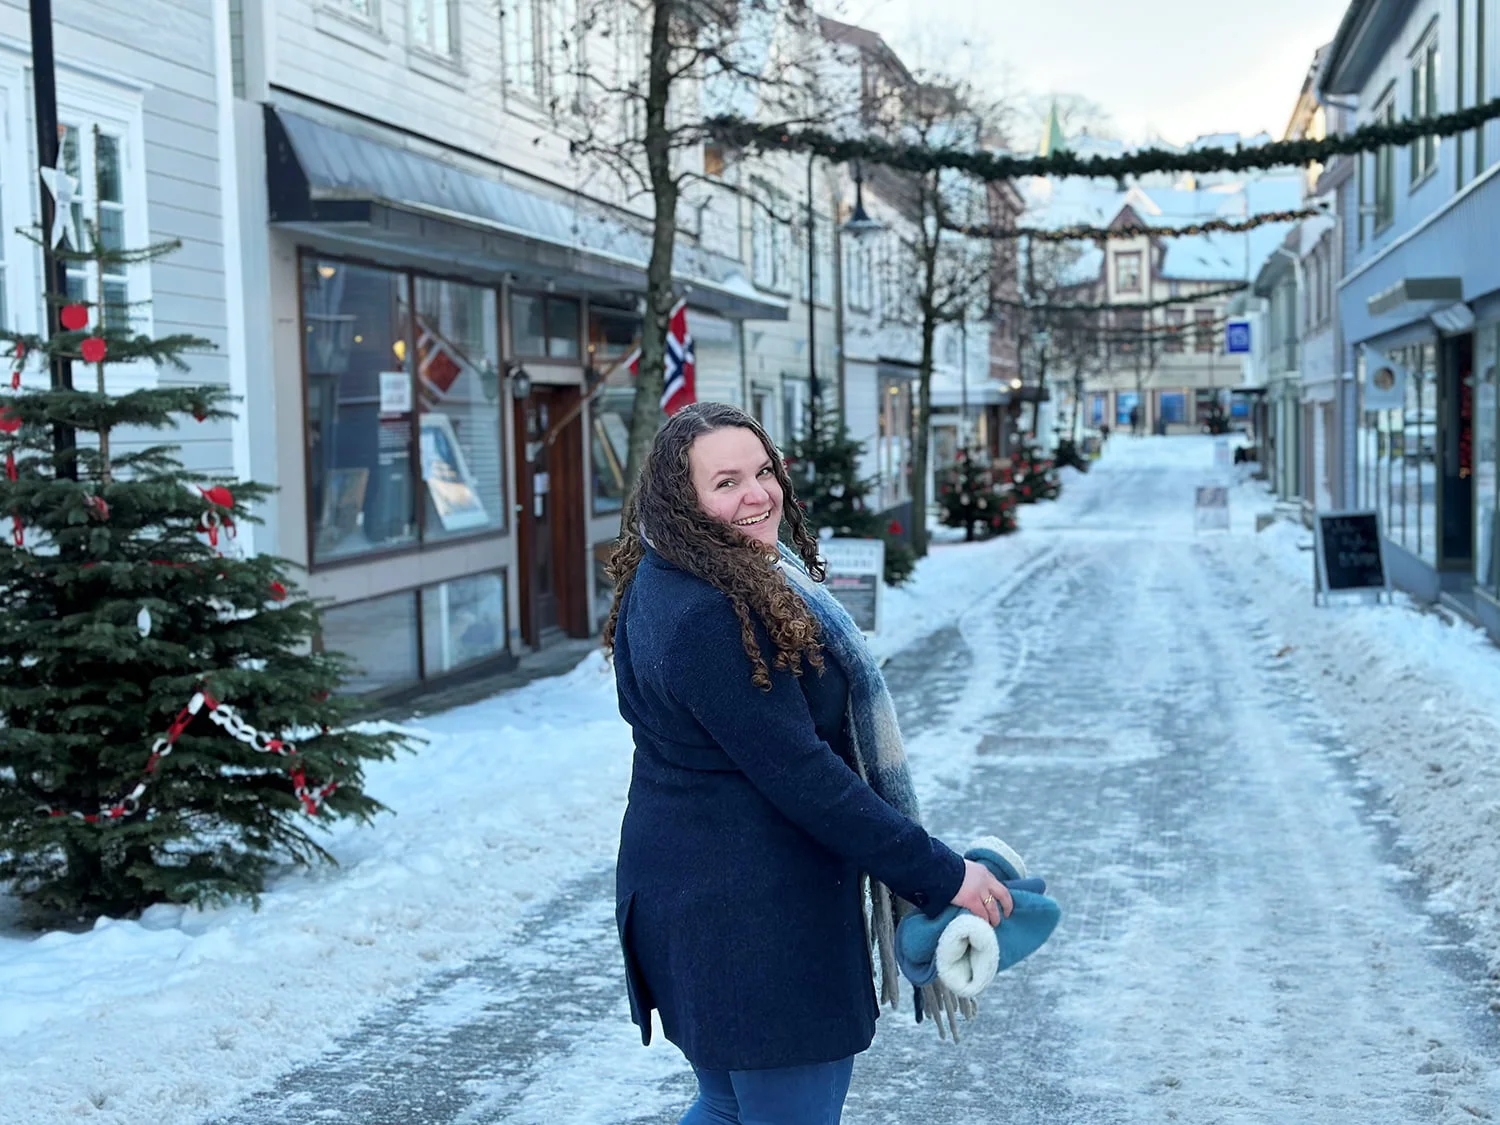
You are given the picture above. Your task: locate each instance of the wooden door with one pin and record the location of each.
(550, 516)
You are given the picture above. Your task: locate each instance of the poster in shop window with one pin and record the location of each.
(856, 569)
(449, 482)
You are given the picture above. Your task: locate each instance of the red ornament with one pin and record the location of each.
(17, 530)
(19, 355)
(199, 413)
(93, 349)
(9, 423)
(10, 466)
(895, 528)
(219, 495)
(99, 507)
(278, 592)
(75, 318)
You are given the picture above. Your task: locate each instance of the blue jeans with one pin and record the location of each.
(790, 1095)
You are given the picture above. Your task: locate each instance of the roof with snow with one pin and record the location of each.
(1055, 203)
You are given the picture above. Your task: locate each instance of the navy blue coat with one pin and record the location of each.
(738, 897)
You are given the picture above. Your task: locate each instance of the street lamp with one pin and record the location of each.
(860, 224)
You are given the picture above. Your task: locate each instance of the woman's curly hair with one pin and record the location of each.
(664, 506)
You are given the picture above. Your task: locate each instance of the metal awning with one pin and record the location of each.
(1416, 291)
(325, 181)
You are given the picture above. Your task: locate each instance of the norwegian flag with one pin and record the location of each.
(680, 387)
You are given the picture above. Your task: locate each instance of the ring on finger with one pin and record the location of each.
(989, 900)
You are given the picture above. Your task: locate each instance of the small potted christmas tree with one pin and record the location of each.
(167, 733)
(976, 498)
(1035, 475)
(824, 467)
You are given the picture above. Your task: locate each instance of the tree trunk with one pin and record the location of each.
(646, 415)
(924, 398)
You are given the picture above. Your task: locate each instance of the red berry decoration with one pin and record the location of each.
(75, 318)
(895, 528)
(93, 350)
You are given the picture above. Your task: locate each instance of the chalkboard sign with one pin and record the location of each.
(855, 577)
(1349, 552)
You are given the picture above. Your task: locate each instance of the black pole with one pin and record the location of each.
(812, 312)
(54, 269)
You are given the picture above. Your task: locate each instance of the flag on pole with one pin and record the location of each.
(680, 385)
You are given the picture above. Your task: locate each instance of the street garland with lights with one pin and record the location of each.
(992, 167)
(1145, 306)
(1086, 233)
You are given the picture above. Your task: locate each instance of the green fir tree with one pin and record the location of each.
(975, 498)
(148, 673)
(824, 467)
(1035, 475)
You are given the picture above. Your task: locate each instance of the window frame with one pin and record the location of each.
(770, 241)
(1422, 76)
(1383, 202)
(509, 335)
(1175, 323)
(536, 94)
(1122, 258)
(1205, 343)
(411, 333)
(454, 11)
(116, 109)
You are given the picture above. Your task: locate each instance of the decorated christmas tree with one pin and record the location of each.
(167, 733)
(976, 498)
(824, 467)
(1035, 475)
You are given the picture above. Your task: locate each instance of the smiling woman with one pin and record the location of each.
(736, 483)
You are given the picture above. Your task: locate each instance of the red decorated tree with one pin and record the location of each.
(167, 733)
(1035, 475)
(977, 498)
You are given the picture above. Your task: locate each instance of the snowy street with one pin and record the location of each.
(1272, 829)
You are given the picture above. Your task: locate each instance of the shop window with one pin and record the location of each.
(613, 335)
(463, 622)
(359, 409)
(1125, 402)
(1421, 454)
(893, 444)
(1486, 440)
(379, 636)
(1098, 409)
(604, 587)
(609, 433)
(794, 400)
(544, 327)
(1173, 406)
(458, 382)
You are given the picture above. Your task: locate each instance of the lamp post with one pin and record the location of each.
(813, 389)
(54, 269)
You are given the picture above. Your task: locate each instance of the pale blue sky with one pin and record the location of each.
(1178, 68)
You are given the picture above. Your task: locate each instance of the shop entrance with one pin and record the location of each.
(1456, 407)
(550, 518)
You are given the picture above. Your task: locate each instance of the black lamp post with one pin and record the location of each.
(54, 269)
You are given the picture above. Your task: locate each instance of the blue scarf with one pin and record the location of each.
(880, 757)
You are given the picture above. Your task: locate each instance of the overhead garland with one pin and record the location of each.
(1184, 299)
(1083, 232)
(992, 166)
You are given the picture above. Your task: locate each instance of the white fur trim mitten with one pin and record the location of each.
(968, 955)
(1003, 850)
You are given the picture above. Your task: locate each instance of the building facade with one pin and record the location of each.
(1419, 298)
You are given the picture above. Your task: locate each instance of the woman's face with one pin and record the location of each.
(735, 482)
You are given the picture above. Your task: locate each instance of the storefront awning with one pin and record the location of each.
(1415, 291)
(328, 182)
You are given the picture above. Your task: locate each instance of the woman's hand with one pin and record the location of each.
(983, 894)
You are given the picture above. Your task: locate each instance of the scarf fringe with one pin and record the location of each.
(880, 760)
